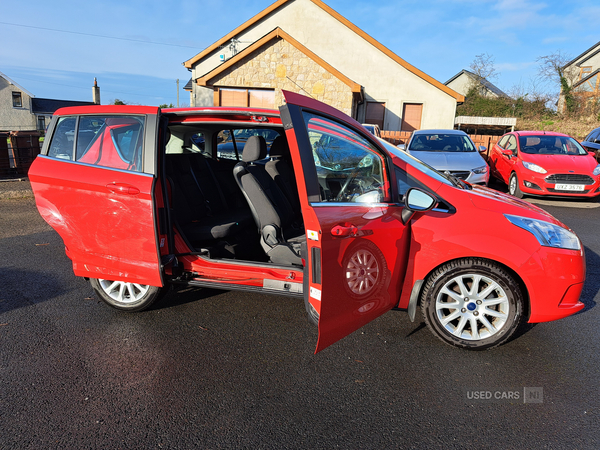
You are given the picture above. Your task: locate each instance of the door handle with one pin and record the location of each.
(344, 230)
(122, 188)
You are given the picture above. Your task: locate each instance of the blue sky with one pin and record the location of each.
(136, 48)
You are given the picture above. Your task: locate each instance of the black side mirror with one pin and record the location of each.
(417, 200)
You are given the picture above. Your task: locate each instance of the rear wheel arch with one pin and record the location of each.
(126, 296)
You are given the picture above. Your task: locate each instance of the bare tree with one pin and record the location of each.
(483, 66)
(483, 69)
(553, 68)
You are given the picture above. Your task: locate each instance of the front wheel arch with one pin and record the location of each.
(513, 273)
(526, 305)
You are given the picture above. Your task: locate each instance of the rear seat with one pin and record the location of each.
(205, 207)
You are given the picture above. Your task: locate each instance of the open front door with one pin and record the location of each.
(94, 185)
(357, 244)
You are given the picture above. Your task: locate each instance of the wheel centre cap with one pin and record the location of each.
(471, 306)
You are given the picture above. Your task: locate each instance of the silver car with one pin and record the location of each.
(450, 151)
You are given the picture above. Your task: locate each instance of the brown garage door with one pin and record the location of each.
(411, 116)
(256, 98)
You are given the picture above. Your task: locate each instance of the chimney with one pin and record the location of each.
(96, 93)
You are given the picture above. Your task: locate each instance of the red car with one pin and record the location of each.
(544, 163)
(313, 206)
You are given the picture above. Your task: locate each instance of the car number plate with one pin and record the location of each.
(569, 187)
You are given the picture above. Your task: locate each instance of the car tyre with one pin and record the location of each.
(472, 303)
(127, 296)
(513, 186)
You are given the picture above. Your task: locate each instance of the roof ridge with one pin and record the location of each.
(273, 7)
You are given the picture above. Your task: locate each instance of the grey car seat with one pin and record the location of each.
(280, 169)
(280, 236)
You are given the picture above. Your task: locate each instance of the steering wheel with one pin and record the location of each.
(344, 188)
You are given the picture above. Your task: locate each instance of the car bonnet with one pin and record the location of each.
(562, 163)
(491, 200)
(450, 160)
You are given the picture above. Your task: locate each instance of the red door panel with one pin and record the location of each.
(357, 251)
(362, 269)
(94, 210)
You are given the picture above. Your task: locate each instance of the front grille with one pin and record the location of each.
(463, 175)
(571, 178)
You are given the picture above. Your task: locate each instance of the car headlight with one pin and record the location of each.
(596, 170)
(547, 234)
(534, 167)
(479, 170)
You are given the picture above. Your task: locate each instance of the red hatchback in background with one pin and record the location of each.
(544, 163)
(302, 202)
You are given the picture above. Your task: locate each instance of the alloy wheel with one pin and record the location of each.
(124, 292)
(472, 307)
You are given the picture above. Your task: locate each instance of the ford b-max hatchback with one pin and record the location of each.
(302, 202)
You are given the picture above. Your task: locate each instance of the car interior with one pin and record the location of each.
(233, 192)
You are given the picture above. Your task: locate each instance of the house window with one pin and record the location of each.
(41, 123)
(17, 100)
(255, 98)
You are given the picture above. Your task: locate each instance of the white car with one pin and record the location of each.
(450, 151)
(373, 129)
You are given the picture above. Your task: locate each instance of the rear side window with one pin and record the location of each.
(63, 139)
(108, 141)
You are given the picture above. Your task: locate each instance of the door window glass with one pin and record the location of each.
(349, 167)
(503, 141)
(111, 141)
(512, 144)
(63, 138)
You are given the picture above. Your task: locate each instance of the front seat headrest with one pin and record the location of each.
(255, 149)
(279, 148)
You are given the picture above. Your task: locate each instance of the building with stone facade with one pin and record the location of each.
(306, 47)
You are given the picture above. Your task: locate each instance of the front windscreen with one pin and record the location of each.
(550, 145)
(441, 142)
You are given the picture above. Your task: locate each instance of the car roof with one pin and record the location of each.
(440, 131)
(222, 109)
(140, 109)
(538, 133)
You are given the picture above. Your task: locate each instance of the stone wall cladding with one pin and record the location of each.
(279, 65)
